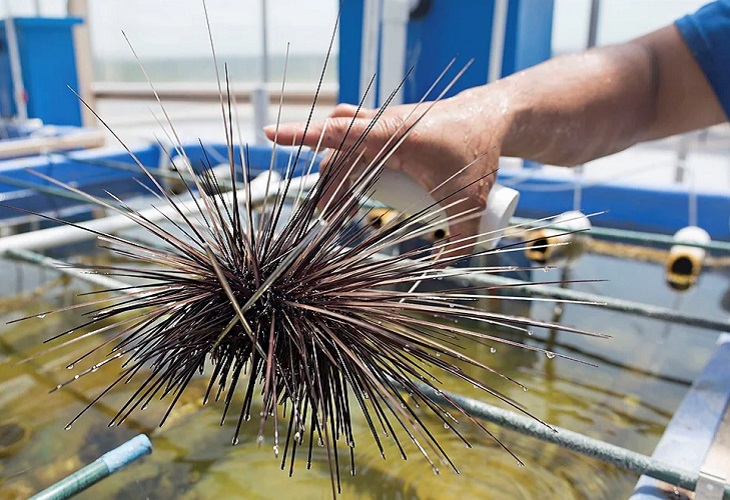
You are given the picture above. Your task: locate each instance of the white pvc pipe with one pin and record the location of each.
(369, 49)
(393, 38)
(260, 95)
(68, 269)
(87, 138)
(260, 100)
(84, 59)
(400, 192)
(496, 48)
(16, 71)
(63, 235)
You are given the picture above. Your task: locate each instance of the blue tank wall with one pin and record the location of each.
(450, 29)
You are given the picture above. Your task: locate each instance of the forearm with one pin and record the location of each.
(576, 108)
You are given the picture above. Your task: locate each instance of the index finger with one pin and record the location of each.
(339, 133)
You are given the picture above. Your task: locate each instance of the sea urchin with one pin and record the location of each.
(295, 301)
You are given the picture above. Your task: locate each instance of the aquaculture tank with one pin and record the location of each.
(575, 354)
(622, 390)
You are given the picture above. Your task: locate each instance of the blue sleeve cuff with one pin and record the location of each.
(707, 34)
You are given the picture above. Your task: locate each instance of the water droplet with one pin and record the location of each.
(94, 368)
(438, 354)
(530, 333)
(234, 442)
(446, 426)
(76, 377)
(276, 450)
(260, 440)
(320, 443)
(70, 367)
(59, 386)
(525, 389)
(298, 437)
(68, 427)
(353, 472)
(402, 405)
(436, 471)
(549, 354)
(247, 417)
(144, 406)
(41, 316)
(492, 350)
(520, 464)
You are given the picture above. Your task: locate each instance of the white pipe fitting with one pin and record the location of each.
(393, 38)
(400, 192)
(66, 235)
(685, 262)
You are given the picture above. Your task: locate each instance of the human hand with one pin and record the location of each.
(452, 134)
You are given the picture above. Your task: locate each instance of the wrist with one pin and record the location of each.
(495, 116)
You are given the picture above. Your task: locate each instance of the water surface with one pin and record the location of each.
(642, 373)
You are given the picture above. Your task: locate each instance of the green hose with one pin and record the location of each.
(634, 236)
(579, 443)
(104, 466)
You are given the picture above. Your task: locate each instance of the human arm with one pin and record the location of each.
(573, 109)
(565, 111)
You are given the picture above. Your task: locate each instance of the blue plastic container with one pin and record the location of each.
(48, 67)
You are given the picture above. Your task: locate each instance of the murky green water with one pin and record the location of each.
(642, 374)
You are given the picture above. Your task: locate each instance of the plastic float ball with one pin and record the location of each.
(377, 218)
(685, 262)
(561, 243)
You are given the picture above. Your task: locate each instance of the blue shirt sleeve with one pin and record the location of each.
(707, 34)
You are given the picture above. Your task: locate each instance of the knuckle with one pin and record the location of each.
(342, 109)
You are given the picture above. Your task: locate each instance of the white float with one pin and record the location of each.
(561, 243)
(685, 262)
